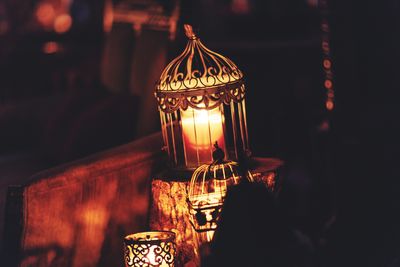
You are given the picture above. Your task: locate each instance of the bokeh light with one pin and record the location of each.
(45, 14)
(62, 23)
(328, 84)
(108, 16)
(327, 64)
(50, 48)
(329, 104)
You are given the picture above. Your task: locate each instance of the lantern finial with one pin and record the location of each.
(218, 154)
(189, 31)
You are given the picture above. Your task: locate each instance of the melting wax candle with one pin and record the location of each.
(201, 130)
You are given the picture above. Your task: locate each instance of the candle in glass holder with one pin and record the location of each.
(155, 248)
(201, 130)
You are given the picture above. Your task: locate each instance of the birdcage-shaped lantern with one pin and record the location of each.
(200, 97)
(206, 194)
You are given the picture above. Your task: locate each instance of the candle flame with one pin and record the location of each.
(202, 128)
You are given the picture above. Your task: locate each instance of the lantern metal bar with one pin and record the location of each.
(223, 126)
(210, 235)
(224, 176)
(195, 137)
(176, 132)
(202, 61)
(209, 133)
(183, 139)
(173, 137)
(163, 130)
(245, 123)
(241, 125)
(189, 64)
(217, 57)
(203, 182)
(233, 174)
(222, 114)
(172, 121)
(215, 180)
(234, 127)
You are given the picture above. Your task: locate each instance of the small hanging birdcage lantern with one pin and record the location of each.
(207, 191)
(201, 101)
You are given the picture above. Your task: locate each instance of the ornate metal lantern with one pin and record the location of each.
(207, 191)
(150, 249)
(201, 101)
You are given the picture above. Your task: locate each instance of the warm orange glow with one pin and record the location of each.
(196, 124)
(241, 6)
(270, 179)
(62, 23)
(150, 249)
(3, 27)
(328, 84)
(327, 63)
(50, 48)
(329, 105)
(201, 129)
(94, 216)
(108, 16)
(45, 14)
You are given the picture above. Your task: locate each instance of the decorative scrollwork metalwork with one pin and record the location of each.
(198, 78)
(206, 99)
(150, 249)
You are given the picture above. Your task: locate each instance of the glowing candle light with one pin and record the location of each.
(151, 256)
(156, 248)
(201, 130)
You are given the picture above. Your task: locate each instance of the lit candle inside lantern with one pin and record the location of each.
(151, 256)
(156, 248)
(201, 130)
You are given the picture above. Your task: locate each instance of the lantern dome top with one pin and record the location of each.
(197, 68)
(198, 72)
(214, 178)
(207, 190)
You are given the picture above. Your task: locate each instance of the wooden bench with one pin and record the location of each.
(77, 214)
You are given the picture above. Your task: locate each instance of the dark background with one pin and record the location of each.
(341, 184)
